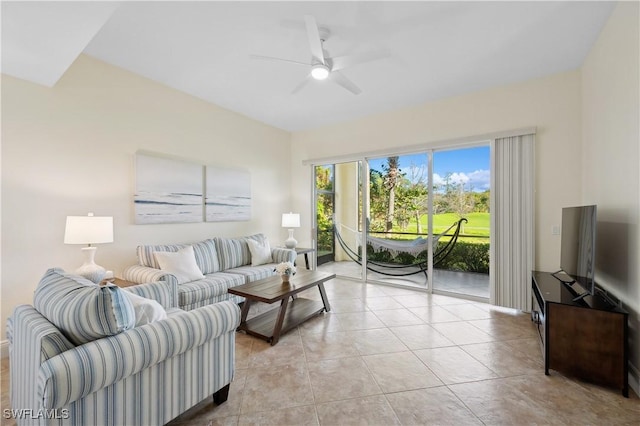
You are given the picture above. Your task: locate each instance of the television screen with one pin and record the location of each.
(577, 253)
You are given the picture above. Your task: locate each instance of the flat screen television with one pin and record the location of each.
(578, 244)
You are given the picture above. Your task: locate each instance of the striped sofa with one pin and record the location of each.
(225, 263)
(144, 375)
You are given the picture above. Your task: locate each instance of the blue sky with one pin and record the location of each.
(469, 166)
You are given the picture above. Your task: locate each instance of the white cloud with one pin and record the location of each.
(479, 180)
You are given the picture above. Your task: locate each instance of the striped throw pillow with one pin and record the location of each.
(83, 311)
(206, 256)
(147, 258)
(205, 251)
(234, 252)
(231, 253)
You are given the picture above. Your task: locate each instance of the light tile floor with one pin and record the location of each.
(390, 356)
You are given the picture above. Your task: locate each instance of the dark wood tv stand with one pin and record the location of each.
(585, 338)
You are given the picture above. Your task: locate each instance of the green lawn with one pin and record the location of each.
(478, 225)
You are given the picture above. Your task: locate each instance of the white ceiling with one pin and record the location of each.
(436, 49)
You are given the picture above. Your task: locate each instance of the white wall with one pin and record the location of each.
(553, 104)
(69, 149)
(611, 134)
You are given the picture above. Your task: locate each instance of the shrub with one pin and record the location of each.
(467, 257)
(464, 257)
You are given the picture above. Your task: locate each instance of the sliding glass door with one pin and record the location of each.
(461, 188)
(338, 196)
(423, 220)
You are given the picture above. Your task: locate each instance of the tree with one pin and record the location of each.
(481, 201)
(419, 193)
(377, 201)
(324, 206)
(323, 178)
(411, 197)
(390, 182)
(460, 201)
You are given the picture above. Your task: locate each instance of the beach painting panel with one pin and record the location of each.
(167, 190)
(228, 194)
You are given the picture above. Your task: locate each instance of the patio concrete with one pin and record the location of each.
(463, 283)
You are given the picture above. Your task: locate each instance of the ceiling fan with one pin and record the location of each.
(323, 67)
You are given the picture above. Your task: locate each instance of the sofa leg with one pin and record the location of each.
(222, 395)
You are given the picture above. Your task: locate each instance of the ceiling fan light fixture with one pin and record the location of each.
(320, 71)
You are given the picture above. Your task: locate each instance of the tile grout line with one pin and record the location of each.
(306, 367)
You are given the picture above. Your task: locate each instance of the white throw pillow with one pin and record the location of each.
(146, 310)
(260, 252)
(182, 264)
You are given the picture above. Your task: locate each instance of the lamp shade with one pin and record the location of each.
(291, 220)
(88, 229)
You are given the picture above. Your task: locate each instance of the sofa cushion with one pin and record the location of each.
(260, 252)
(181, 264)
(205, 252)
(254, 273)
(211, 286)
(82, 310)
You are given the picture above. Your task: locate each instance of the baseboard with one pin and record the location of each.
(4, 349)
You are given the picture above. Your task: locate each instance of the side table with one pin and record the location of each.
(118, 281)
(305, 251)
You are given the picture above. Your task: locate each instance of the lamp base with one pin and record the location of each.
(89, 269)
(290, 242)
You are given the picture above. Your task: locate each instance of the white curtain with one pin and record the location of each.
(512, 221)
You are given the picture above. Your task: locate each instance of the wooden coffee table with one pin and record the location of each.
(293, 310)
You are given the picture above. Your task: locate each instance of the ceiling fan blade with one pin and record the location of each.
(343, 81)
(271, 58)
(315, 44)
(301, 85)
(341, 62)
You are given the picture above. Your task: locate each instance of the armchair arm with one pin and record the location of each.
(165, 293)
(32, 341)
(88, 368)
(144, 274)
(28, 328)
(280, 254)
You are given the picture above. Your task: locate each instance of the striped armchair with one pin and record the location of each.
(146, 375)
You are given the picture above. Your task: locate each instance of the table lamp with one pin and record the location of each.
(290, 220)
(89, 230)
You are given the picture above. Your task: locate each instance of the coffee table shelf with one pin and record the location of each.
(298, 311)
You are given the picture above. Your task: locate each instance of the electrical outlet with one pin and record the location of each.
(555, 230)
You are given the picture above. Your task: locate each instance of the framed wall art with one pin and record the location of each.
(228, 194)
(167, 190)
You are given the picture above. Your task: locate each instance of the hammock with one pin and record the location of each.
(395, 247)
